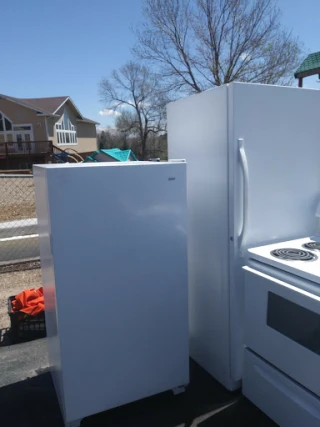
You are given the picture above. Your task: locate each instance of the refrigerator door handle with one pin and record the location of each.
(245, 171)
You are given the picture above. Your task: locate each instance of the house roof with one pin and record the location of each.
(24, 103)
(47, 106)
(84, 119)
(50, 105)
(120, 155)
(310, 65)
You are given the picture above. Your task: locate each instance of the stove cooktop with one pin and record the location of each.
(312, 246)
(293, 254)
(300, 257)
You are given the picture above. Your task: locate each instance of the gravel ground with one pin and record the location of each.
(17, 200)
(12, 283)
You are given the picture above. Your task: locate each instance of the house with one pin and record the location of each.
(24, 123)
(112, 155)
(309, 67)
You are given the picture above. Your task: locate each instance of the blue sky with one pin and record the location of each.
(65, 47)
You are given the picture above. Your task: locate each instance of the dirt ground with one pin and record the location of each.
(13, 282)
(17, 200)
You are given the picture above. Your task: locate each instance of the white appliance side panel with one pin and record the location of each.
(283, 400)
(281, 132)
(119, 236)
(236, 221)
(197, 131)
(48, 281)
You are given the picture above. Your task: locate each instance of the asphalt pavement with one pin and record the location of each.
(28, 399)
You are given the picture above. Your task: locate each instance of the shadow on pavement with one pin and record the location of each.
(33, 402)
(5, 337)
(241, 414)
(205, 404)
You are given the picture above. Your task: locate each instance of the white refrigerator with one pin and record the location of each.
(253, 155)
(113, 245)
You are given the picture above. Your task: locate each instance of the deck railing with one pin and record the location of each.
(25, 148)
(22, 155)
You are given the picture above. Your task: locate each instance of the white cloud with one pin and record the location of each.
(245, 56)
(109, 112)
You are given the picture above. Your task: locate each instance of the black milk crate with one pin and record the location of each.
(25, 327)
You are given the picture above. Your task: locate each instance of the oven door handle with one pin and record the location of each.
(245, 172)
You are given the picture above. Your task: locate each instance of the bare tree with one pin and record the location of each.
(197, 44)
(111, 138)
(158, 146)
(136, 95)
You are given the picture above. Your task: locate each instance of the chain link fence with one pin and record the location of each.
(18, 223)
(19, 245)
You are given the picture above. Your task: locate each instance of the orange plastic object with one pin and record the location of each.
(30, 301)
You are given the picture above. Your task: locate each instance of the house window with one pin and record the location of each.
(22, 128)
(23, 134)
(66, 131)
(7, 124)
(6, 134)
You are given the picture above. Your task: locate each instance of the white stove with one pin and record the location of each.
(282, 331)
(300, 257)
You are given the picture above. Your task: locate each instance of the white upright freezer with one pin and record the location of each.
(113, 244)
(253, 178)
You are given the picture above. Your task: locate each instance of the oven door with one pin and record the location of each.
(282, 325)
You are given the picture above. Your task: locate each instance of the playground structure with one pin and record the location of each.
(111, 155)
(68, 155)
